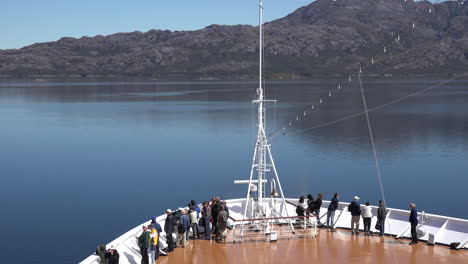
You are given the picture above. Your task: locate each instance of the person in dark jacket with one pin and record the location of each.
(169, 229)
(184, 222)
(310, 204)
(214, 214)
(317, 206)
(381, 215)
(112, 256)
(222, 224)
(331, 210)
(355, 209)
(225, 207)
(143, 244)
(413, 219)
(206, 216)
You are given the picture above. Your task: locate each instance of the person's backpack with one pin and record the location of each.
(299, 210)
(350, 207)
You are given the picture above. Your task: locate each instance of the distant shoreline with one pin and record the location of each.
(211, 78)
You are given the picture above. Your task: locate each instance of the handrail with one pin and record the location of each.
(274, 218)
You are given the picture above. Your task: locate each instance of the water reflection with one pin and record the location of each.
(68, 149)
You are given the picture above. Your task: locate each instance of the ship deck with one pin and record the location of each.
(327, 247)
(331, 247)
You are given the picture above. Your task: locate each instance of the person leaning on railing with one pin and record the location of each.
(317, 206)
(331, 210)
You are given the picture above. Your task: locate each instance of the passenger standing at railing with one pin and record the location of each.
(355, 209)
(381, 215)
(143, 244)
(158, 228)
(153, 244)
(367, 217)
(317, 206)
(310, 204)
(413, 219)
(206, 216)
(169, 229)
(331, 210)
(214, 213)
(196, 207)
(182, 228)
(186, 221)
(222, 223)
(194, 222)
(225, 207)
(301, 208)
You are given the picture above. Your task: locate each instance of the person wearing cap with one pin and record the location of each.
(153, 243)
(143, 244)
(355, 209)
(158, 228)
(169, 229)
(156, 224)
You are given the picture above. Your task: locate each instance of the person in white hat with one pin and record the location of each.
(355, 209)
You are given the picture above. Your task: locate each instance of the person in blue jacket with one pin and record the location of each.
(413, 219)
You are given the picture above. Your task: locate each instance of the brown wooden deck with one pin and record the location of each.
(329, 247)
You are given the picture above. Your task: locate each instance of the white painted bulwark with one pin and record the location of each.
(445, 229)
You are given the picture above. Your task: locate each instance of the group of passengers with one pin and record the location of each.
(210, 220)
(312, 208)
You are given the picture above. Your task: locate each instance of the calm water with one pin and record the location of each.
(81, 163)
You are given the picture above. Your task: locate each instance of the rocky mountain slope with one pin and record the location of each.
(325, 37)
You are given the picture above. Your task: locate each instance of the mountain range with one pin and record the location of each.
(324, 37)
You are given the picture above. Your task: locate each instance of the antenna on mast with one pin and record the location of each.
(259, 208)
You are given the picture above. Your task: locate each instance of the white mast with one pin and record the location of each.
(261, 139)
(262, 160)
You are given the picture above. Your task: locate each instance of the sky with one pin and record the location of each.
(24, 22)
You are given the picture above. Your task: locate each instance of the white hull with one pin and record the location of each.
(445, 229)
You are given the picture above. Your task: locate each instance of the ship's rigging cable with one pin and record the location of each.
(371, 135)
(380, 106)
(394, 38)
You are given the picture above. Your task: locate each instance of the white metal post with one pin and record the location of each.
(248, 191)
(279, 184)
